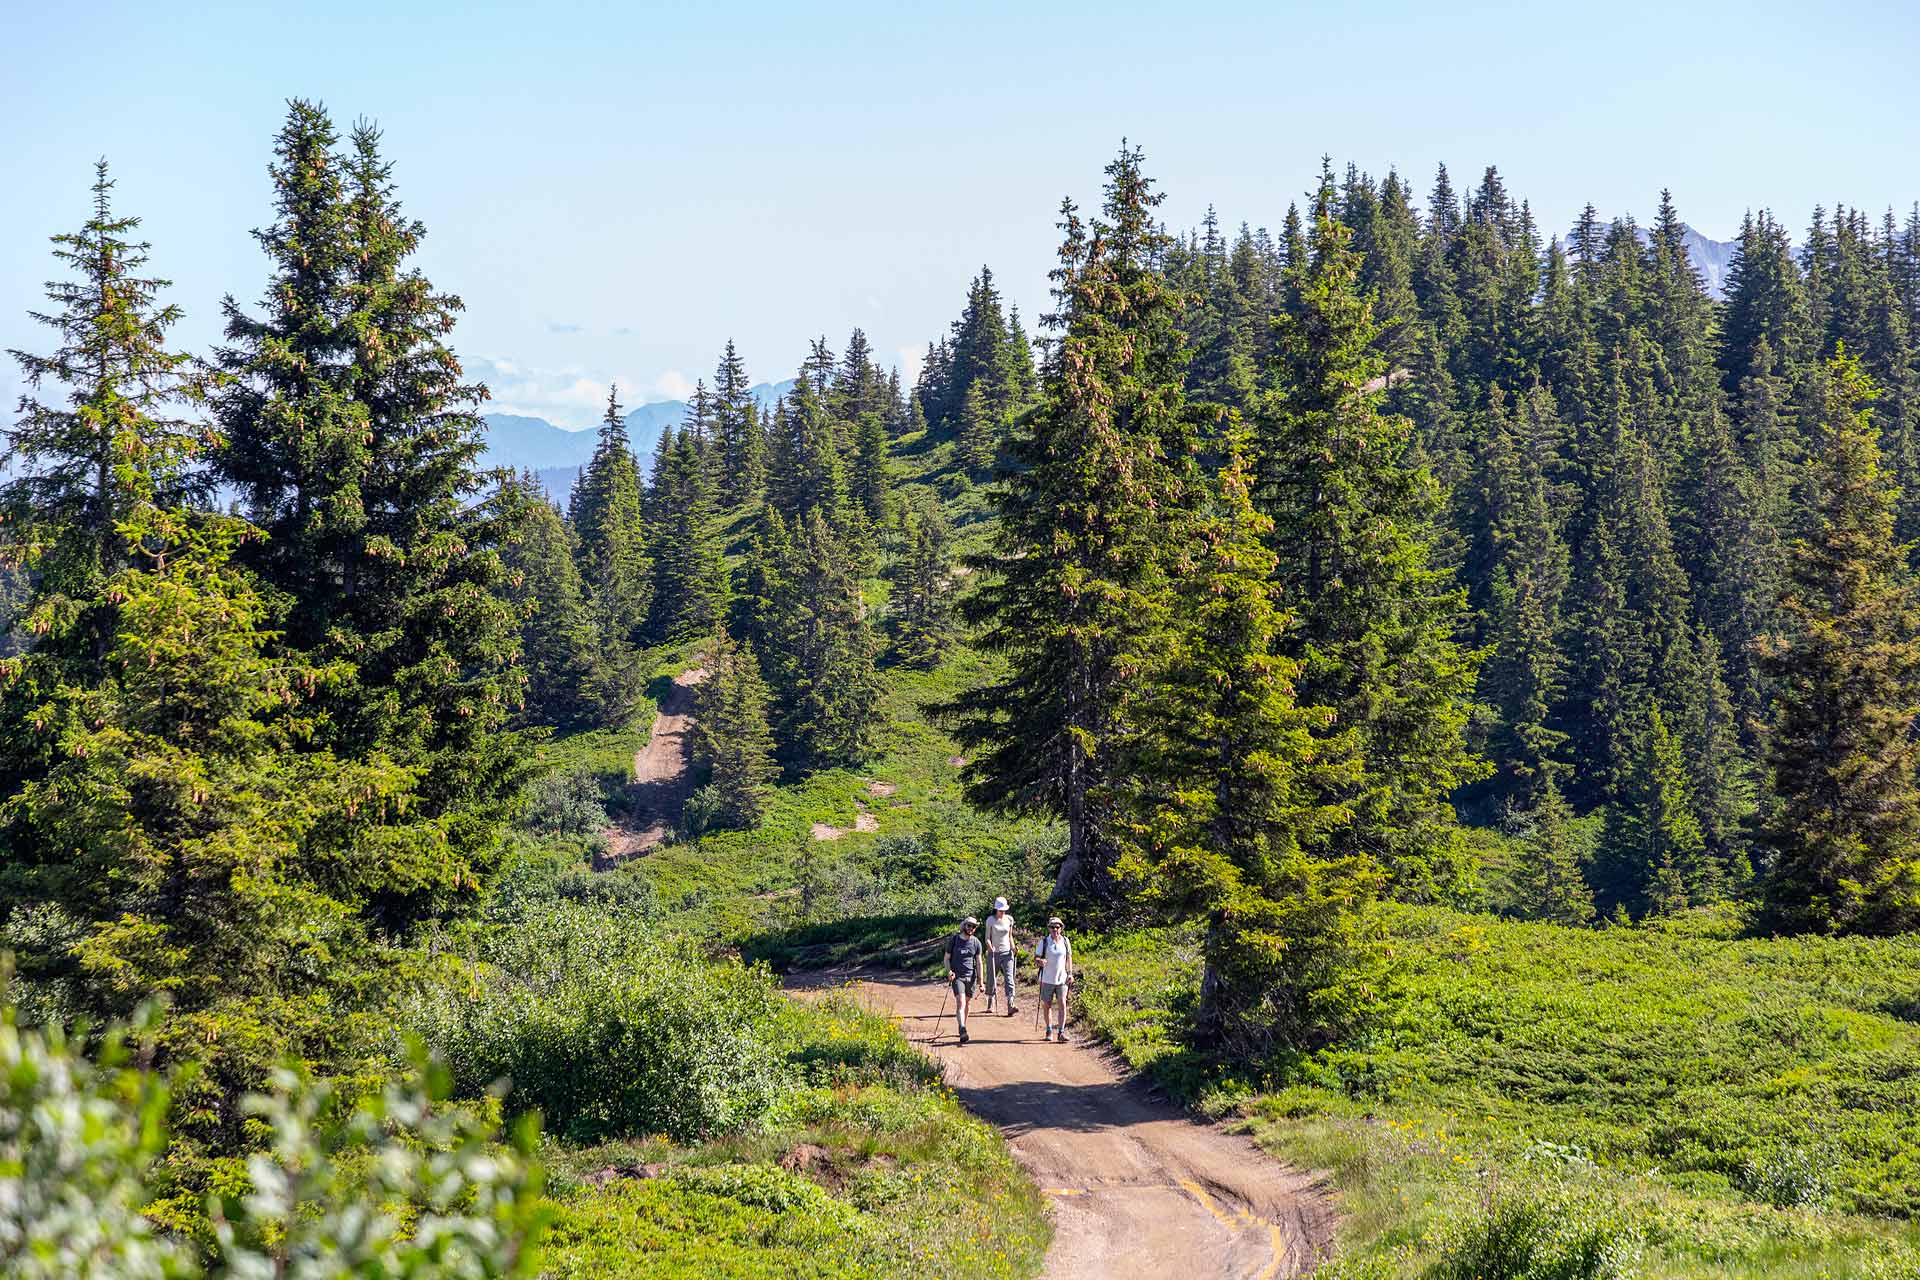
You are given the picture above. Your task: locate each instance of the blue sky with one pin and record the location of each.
(615, 189)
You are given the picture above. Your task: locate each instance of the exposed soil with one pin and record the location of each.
(1139, 1187)
(863, 821)
(662, 775)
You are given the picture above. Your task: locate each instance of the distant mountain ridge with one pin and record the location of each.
(555, 454)
(1710, 257)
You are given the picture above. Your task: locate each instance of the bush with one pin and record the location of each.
(1787, 1178)
(609, 1028)
(1519, 1239)
(399, 1186)
(568, 803)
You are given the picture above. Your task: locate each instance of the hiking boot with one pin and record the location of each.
(964, 1037)
(1012, 1009)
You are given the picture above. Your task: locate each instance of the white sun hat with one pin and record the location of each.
(999, 904)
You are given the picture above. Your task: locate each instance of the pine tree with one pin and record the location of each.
(1378, 625)
(738, 438)
(609, 541)
(1842, 752)
(978, 432)
(80, 468)
(923, 589)
(355, 443)
(732, 740)
(1653, 855)
(1225, 786)
(1547, 881)
(1074, 590)
(803, 467)
(868, 477)
(831, 710)
(690, 573)
(557, 642)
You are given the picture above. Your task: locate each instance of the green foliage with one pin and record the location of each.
(610, 544)
(1843, 753)
(923, 587)
(607, 1028)
(566, 802)
(1376, 622)
(1522, 1239)
(1073, 594)
(78, 1139)
(731, 737)
(399, 1184)
(558, 642)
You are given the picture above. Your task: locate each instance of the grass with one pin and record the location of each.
(868, 1168)
(1745, 1107)
(929, 850)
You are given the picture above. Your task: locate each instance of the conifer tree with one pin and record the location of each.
(558, 647)
(923, 588)
(609, 540)
(1653, 856)
(732, 740)
(804, 474)
(738, 438)
(830, 711)
(1378, 625)
(1075, 592)
(690, 573)
(1843, 755)
(1547, 881)
(1226, 786)
(868, 477)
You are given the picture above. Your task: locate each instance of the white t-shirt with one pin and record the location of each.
(1054, 958)
(1000, 933)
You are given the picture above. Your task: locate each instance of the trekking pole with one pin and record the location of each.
(940, 1021)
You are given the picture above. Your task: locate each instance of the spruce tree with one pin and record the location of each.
(738, 438)
(732, 740)
(1226, 785)
(690, 574)
(1378, 624)
(868, 477)
(1074, 595)
(558, 647)
(609, 540)
(1547, 881)
(1653, 857)
(923, 588)
(1842, 752)
(830, 711)
(355, 443)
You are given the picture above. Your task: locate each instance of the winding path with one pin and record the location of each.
(662, 774)
(1139, 1187)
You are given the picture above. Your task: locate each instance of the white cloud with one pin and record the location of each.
(911, 358)
(673, 385)
(569, 397)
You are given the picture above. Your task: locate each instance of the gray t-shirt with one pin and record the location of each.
(963, 955)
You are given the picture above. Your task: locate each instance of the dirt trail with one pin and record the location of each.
(1139, 1188)
(662, 771)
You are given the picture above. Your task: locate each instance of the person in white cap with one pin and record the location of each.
(1055, 955)
(1000, 955)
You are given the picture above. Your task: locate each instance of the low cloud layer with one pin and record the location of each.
(574, 396)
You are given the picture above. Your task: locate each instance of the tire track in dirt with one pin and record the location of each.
(1140, 1188)
(662, 775)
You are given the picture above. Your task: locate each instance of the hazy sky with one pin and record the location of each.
(616, 189)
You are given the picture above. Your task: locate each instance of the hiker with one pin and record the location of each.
(1055, 955)
(999, 942)
(963, 967)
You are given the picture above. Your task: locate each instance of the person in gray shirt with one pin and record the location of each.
(963, 969)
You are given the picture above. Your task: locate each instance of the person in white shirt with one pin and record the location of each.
(1055, 955)
(999, 940)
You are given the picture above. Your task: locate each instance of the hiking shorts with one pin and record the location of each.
(1051, 991)
(963, 987)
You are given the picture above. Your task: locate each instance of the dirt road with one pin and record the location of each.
(662, 771)
(1139, 1188)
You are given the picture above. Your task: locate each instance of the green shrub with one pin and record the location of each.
(1790, 1177)
(76, 1141)
(609, 1028)
(566, 802)
(1520, 1239)
(398, 1187)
